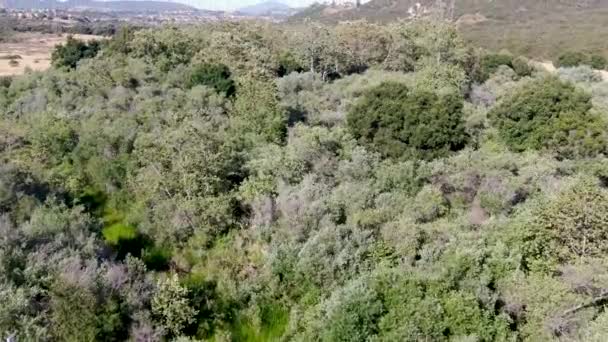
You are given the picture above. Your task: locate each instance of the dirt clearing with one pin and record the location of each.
(31, 51)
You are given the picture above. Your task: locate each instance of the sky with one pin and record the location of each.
(234, 4)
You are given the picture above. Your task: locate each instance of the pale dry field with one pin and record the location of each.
(35, 50)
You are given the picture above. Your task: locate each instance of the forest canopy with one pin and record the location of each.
(304, 182)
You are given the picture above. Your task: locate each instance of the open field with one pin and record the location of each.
(31, 51)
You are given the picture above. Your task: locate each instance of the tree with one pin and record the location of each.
(576, 221)
(491, 62)
(171, 306)
(549, 113)
(74, 50)
(424, 39)
(399, 122)
(257, 113)
(217, 76)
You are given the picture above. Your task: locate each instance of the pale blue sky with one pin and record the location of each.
(234, 4)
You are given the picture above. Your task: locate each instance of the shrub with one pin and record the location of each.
(572, 59)
(549, 113)
(429, 205)
(217, 76)
(288, 64)
(399, 122)
(577, 221)
(171, 306)
(598, 62)
(73, 51)
(522, 67)
(352, 313)
(583, 74)
(490, 63)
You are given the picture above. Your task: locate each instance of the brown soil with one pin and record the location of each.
(35, 50)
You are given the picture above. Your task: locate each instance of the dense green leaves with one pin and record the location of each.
(172, 188)
(398, 121)
(73, 51)
(549, 113)
(216, 76)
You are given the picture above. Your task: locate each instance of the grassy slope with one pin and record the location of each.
(536, 28)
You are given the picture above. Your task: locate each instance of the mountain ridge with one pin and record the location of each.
(119, 5)
(267, 8)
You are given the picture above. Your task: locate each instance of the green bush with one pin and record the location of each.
(548, 113)
(522, 67)
(576, 221)
(352, 314)
(576, 58)
(572, 59)
(399, 122)
(598, 62)
(217, 76)
(490, 63)
(74, 50)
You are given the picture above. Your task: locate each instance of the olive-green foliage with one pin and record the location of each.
(489, 64)
(572, 59)
(598, 62)
(352, 314)
(304, 208)
(549, 113)
(257, 113)
(216, 76)
(73, 314)
(577, 58)
(576, 221)
(171, 306)
(73, 51)
(522, 67)
(402, 122)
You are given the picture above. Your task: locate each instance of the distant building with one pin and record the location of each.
(346, 3)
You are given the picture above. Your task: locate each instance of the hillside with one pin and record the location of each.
(268, 8)
(123, 6)
(251, 181)
(535, 28)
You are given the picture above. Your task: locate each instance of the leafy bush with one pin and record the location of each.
(522, 67)
(598, 62)
(576, 221)
(572, 59)
(579, 74)
(216, 76)
(577, 58)
(352, 313)
(399, 122)
(490, 63)
(549, 113)
(73, 51)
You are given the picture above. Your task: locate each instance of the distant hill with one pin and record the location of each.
(119, 6)
(537, 28)
(268, 8)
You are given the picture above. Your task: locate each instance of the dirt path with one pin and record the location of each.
(31, 51)
(548, 65)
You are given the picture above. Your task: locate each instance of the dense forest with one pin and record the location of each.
(264, 182)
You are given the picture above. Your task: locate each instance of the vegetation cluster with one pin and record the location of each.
(262, 182)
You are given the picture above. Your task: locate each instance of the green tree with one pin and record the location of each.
(217, 76)
(171, 306)
(74, 50)
(576, 221)
(398, 122)
(549, 113)
(257, 112)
